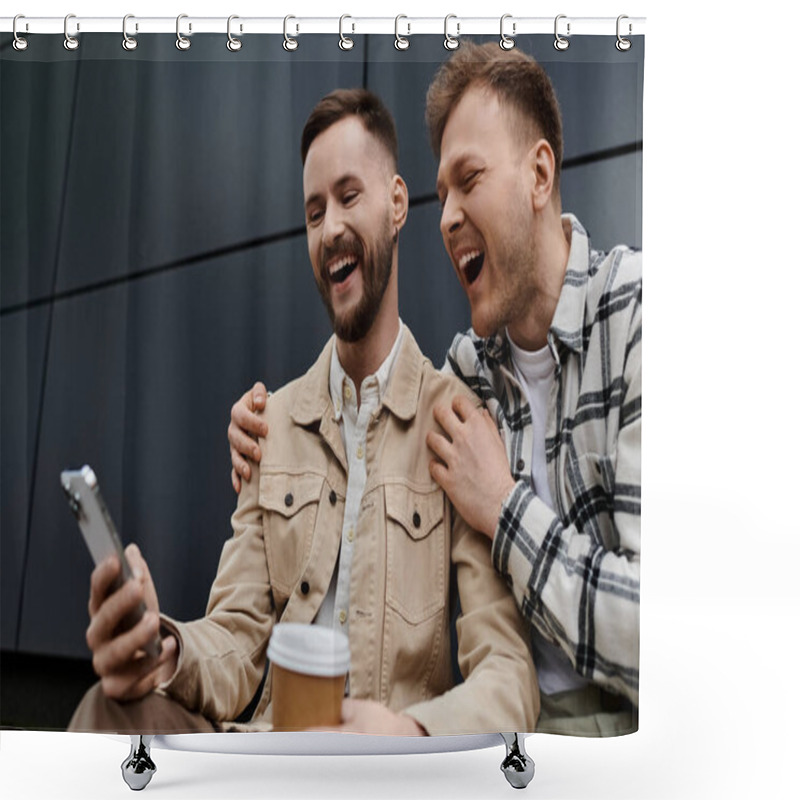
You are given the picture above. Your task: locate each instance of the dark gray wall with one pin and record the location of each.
(153, 264)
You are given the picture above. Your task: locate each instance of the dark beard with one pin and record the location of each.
(375, 272)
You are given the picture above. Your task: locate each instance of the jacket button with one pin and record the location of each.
(332, 497)
(288, 499)
(520, 465)
(304, 587)
(416, 520)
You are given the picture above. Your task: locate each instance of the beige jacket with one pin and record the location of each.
(410, 543)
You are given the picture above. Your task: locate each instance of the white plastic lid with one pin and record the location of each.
(309, 649)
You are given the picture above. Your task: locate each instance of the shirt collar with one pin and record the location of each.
(339, 379)
(400, 394)
(568, 320)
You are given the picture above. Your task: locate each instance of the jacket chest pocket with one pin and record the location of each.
(291, 503)
(415, 552)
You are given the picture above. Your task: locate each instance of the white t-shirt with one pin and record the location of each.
(535, 371)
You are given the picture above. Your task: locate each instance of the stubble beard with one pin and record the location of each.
(514, 268)
(376, 270)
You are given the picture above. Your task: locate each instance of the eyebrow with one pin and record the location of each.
(343, 181)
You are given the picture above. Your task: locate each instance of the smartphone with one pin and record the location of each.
(101, 537)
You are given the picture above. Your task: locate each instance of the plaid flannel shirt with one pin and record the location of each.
(575, 572)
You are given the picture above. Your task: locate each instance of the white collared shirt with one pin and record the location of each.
(353, 423)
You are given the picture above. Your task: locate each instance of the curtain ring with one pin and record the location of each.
(560, 42)
(128, 42)
(400, 42)
(506, 42)
(20, 43)
(70, 42)
(289, 44)
(233, 44)
(345, 42)
(622, 44)
(451, 42)
(182, 43)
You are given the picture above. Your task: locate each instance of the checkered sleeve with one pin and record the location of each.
(573, 589)
(577, 589)
(574, 568)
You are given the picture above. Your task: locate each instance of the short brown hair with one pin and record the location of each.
(343, 103)
(515, 77)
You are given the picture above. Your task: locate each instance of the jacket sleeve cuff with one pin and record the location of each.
(169, 627)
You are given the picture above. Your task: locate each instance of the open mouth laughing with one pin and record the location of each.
(471, 264)
(341, 268)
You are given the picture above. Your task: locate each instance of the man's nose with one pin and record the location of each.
(452, 216)
(333, 226)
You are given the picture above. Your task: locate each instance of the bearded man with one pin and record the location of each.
(341, 524)
(550, 472)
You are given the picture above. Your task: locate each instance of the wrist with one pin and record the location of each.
(501, 496)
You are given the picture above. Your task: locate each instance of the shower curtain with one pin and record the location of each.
(154, 265)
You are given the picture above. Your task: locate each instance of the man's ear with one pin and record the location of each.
(541, 164)
(399, 202)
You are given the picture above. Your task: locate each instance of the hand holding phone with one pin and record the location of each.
(123, 633)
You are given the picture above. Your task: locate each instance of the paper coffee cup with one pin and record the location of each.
(309, 668)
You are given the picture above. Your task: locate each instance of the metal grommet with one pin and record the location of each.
(623, 44)
(400, 42)
(182, 43)
(233, 44)
(19, 43)
(345, 42)
(70, 42)
(128, 42)
(560, 42)
(451, 42)
(289, 43)
(506, 42)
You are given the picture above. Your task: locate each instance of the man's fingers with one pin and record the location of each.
(438, 473)
(243, 416)
(111, 612)
(143, 686)
(137, 562)
(349, 708)
(439, 446)
(240, 465)
(132, 683)
(103, 576)
(447, 419)
(119, 654)
(142, 573)
(141, 676)
(463, 408)
(259, 395)
(242, 443)
(237, 484)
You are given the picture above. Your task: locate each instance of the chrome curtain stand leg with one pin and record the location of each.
(518, 766)
(138, 768)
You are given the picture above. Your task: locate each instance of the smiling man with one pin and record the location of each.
(555, 354)
(550, 472)
(342, 524)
